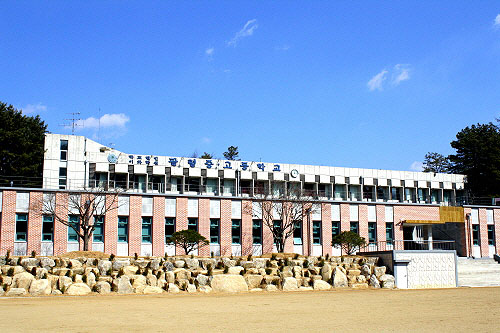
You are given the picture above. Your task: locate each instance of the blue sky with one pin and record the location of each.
(357, 84)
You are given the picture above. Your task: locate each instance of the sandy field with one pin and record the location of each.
(445, 310)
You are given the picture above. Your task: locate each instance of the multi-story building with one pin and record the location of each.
(163, 194)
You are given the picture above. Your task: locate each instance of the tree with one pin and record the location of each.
(207, 156)
(231, 153)
(189, 240)
(478, 156)
(435, 162)
(21, 147)
(87, 206)
(349, 241)
(281, 212)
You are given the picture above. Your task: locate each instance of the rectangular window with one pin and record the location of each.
(278, 231)
(75, 221)
(355, 227)
(169, 228)
(98, 229)
(317, 232)
(257, 231)
(297, 233)
(47, 228)
(335, 229)
(389, 232)
(146, 229)
(64, 150)
(475, 234)
(491, 235)
(193, 223)
(214, 231)
(21, 227)
(123, 229)
(236, 231)
(63, 172)
(372, 232)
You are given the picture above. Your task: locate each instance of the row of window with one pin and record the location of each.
(475, 234)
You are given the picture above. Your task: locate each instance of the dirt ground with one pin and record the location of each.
(445, 310)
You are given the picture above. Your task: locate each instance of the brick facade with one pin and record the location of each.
(204, 224)
(111, 225)
(135, 225)
(326, 226)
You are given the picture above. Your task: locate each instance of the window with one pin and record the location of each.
(257, 231)
(491, 235)
(355, 227)
(317, 232)
(335, 229)
(146, 229)
(169, 228)
(63, 173)
(236, 231)
(122, 229)
(277, 231)
(475, 234)
(75, 221)
(297, 233)
(21, 227)
(99, 229)
(389, 232)
(64, 150)
(193, 224)
(214, 231)
(47, 228)
(372, 232)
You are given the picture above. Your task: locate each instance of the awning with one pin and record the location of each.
(446, 214)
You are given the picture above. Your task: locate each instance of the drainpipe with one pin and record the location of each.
(468, 236)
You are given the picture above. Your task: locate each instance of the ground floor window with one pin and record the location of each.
(169, 228)
(389, 232)
(277, 231)
(123, 229)
(297, 233)
(236, 231)
(317, 232)
(21, 227)
(355, 227)
(47, 228)
(335, 229)
(214, 231)
(99, 229)
(193, 224)
(146, 229)
(491, 235)
(372, 232)
(73, 220)
(257, 231)
(475, 234)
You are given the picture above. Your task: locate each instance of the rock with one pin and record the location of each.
(290, 284)
(16, 292)
(151, 280)
(321, 285)
(64, 282)
(191, 288)
(205, 289)
(91, 279)
(354, 272)
(104, 266)
(60, 271)
(374, 281)
(41, 272)
(253, 290)
(297, 271)
(78, 289)
(228, 283)
(102, 287)
(235, 270)
(40, 287)
(56, 292)
(228, 262)
(314, 270)
(361, 279)
(161, 283)
(260, 262)
(202, 280)
(347, 260)
(16, 269)
(192, 263)
(29, 262)
(253, 281)
(379, 271)
(130, 270)
(170, 277)
(120, 263)
(152, 290)
(352, 279)
(142, 263)
(123, 286)
(247, 264)
(326, 272)
(182, 274)
(47, 263)
(366, 270)
(155, 264)
(75, 265)
(388, 281)
(302, 288)
(22, 280)
(172, 288)
(7, 280)
(138, 280)
(271, 287)
(168, 266)
(179, 263)
(339, 278)
(359, 285)
(78, 278)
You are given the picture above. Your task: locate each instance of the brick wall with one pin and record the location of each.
(225, 227)
(496, 217)
(111, 225)
(381, 236)
(135, 225)
(181, 220)
(35, 224)
(363, 221)
(306, 232)
(61, 230)
(345, 219)
(204, 224)
(8, 223)
(468, 233)
(246, 227)
(483, 233)
(326, 226)
(158, 227)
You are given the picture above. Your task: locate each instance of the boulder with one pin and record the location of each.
(161, 283)
(361, 279)
(326, 272)
(151, 279)
(354, 272)
(16, 269)
(170, 277)
(60, 271)
(16, 292)
(302, 288)
(179, 263)
(297, 271)
(155, 264)
(271, 287)
(102, 287)
(76, 266)
(379, 271)
(22, 280)
(30, 262)
(152, 290)
(182, 274)
(104, 266)
(120, 263)
(388, 281)
(40, 287)
(290, 284)
(339, 278)
(228, 262)
(205, 289)
(374, 281)
(123, 286)
(359, 285)
(228, 283)
(202, 279)
(142, 263)
(192, 263)
(260, 262)
(172, 288)
(138, 280)
(235, 270)
(321, 285)
(56, 292)
(41, 272)
(7, 280)
(191, 288)
(366, 270)
(91, 279)
(78, 289)
(64, 282)
(253, 281)
(130, 270)
(168, 266)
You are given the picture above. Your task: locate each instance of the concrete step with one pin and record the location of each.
(484, 272)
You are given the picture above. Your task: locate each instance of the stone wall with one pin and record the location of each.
(124, 275)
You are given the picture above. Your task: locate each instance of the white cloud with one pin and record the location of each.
(376, 82)
(401, 73)
(210, 51)
(417, 166)
(496, 23)
(246, 31)
(107, 120)
(34, 108)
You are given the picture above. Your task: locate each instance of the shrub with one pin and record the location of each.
(188, 240)
(268, 263)
(136, 256)
(121, 272)
(249, 258)
(349, 241)
(33, 271)
(112, 257)
(109, 272)
(288, 262)
(68, 273)
(296, 256)
(226, 270)
(84, 279)
(7, 256)
(220, 265)
(70, 265)
(327, 256)
(212, 254)
(274, 256)
(33, 254)
(209, 270)
(166, 256)
(305, 264)
(269, 271)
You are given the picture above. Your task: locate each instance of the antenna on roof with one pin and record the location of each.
(74, 122)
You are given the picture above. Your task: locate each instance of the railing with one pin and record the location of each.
(409, 245)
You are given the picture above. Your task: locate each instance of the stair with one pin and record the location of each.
(483, 272)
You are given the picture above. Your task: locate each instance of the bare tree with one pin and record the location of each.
(86, 204)
(281, 211)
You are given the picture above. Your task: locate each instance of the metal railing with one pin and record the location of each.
(424, 245)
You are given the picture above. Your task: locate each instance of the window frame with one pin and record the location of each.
(45, 234)
(21, 236)
(147, 225)
(121, 226)
(71, 232)
(215, 226)
(236, 231)
(316, 232)
(98, 225)
(257, 230)
(171, 222)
